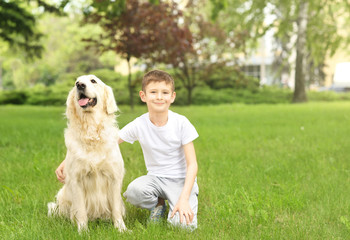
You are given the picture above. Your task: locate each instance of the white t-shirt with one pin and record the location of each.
(162, 146)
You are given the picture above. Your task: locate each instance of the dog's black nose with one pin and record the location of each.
(80, 86)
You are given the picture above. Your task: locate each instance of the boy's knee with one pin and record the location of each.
(133, 193)
(176, 221)
(139, 195)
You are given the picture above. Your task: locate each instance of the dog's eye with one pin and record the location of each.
(93, 81)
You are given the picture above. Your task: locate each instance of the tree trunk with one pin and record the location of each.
(131, 92)
(1, 74)
(299, 91)
(189, 95)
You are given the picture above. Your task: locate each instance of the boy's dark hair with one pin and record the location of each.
(157, 76)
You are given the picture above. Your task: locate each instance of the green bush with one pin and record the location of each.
(206, 96)
(111, 78)
(230, 77)
(181, 97)
(54, 95)
(57, 94)
(68, 78)
(328, 96)
(270, 95)
(13, 97)
(51, 100)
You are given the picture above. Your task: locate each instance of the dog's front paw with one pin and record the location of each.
(120, 225)
(52, 209)
(82, 227)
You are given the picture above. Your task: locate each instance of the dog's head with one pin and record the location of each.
(90, 94)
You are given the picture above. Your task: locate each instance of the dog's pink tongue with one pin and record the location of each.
(83, 101)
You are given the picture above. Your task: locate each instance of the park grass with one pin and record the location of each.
(265, 172)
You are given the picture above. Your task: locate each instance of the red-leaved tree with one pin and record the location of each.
(212, 51)
(140, 30)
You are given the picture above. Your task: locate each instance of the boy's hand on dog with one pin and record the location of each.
(185, 211)
(59, 172)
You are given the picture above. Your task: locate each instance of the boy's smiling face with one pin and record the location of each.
(158, 96)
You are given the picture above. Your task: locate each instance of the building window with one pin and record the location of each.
(252, 70)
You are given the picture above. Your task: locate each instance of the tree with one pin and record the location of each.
(208, 55)
(138, 29)
(18, 26)
(313, 22)
(65, 56)
(299, 92)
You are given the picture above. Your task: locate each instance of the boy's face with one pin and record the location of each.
(158, 96)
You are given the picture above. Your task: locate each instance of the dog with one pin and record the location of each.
(94, 167)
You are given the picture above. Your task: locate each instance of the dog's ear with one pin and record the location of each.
(111, 105)
(70, 110)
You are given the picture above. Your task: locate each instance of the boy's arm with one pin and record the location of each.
(59, 172)
(182, 206)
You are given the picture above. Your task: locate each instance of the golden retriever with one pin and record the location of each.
(94, 167)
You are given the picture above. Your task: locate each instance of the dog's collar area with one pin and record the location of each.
(85, 102)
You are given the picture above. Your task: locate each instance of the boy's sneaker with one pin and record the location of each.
(157, 213)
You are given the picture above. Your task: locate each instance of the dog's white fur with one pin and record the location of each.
(94, 167)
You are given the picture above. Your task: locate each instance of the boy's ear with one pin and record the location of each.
(142, 96)
(173, 97)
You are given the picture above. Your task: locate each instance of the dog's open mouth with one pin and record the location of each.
(85, 102)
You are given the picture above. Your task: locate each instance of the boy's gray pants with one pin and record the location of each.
(144, 191)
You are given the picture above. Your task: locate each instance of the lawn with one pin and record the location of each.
(265, 172)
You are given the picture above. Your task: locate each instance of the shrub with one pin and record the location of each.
(57, 94)
(52, 100)
(205, 96)
(13, 97)
(328, 96)
(54, 95)
(68, 78)
(228, 77)
(110, 77)
(268, 94)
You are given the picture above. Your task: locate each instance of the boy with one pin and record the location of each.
(166, 139)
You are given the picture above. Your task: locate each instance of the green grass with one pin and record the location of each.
(265, 172)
